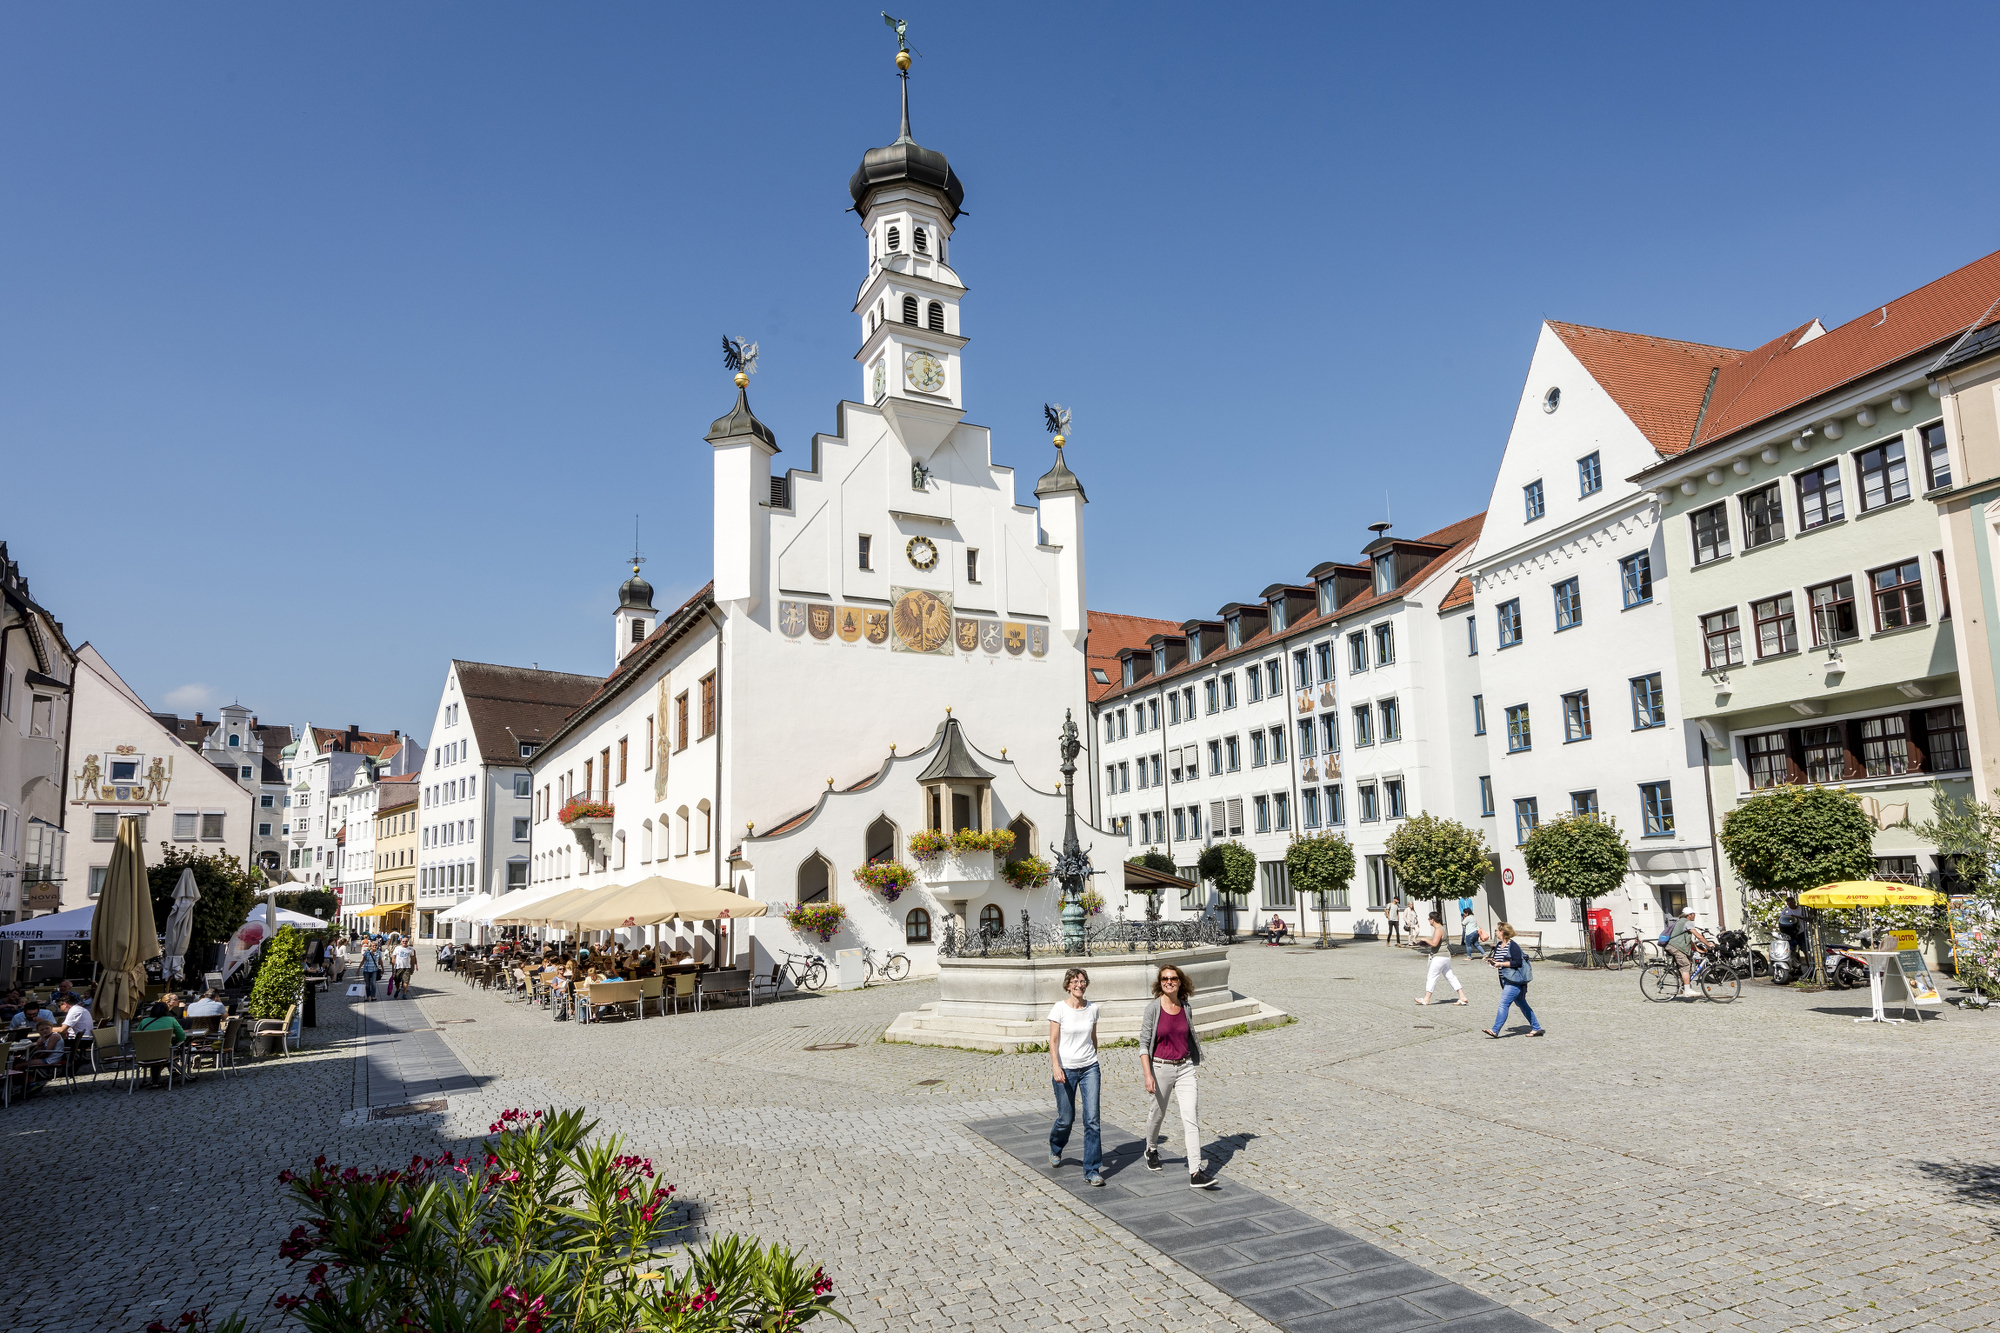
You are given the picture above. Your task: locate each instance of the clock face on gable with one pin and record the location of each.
(924, 372)
(922, 553)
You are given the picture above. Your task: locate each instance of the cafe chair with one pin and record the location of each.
(684, 990)
(281, 1028)
(649, 990)
(105, 1052)
(153, 1050)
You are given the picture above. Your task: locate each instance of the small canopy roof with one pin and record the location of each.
(377, 910)
(1144, 879)
(71, 925)
(658, 899)
(953, 761)
(1870, 893)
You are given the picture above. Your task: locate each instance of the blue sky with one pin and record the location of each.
(336, 341)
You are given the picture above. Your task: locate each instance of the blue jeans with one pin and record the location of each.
(1472, 945)
(1511, 996)
(368, 984)
(1077, 1083)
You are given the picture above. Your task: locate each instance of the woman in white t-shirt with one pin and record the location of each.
(1073, 1071)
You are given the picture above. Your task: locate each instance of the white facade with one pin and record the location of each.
(1318, 708)
(895, 571)
(357, 851)
(1575, 643)
(37, 667)
(318, 769)
(124, 762)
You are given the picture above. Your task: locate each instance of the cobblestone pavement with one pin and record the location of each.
(1766, 1165)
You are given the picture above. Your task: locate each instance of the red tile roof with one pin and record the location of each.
(1111, 634)
(1659, 382)
(1460, 595)
(1752, 390)
(1455, 541)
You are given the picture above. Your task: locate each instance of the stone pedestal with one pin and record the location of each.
(1002, 1004)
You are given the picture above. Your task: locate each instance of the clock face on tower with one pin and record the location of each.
(924, 372)
(922, 553)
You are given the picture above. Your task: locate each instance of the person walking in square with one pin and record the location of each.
(1469, 932)
(371, 967)
(1515, 973)
(1410, 923)
(1168, 1054)
(1395, 915)
(1073, 1072)
(1440, 964)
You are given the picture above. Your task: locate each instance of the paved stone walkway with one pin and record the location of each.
(401, 1059)
(1288, 1266)
(1765, 1166)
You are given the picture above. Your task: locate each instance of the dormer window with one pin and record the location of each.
(921, 239)
(1236, 631)
(935, 313)
(895, 238)
(1194, 646)
(1385, 573)
(1126, 664)
(235, 741)
(1326, 597)
(1159, 661)
(910, 311)
(1277, 615)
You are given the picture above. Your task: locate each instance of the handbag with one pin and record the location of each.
(1518, 976)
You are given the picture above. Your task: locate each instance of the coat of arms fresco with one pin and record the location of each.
(921, 620)
(792, 619)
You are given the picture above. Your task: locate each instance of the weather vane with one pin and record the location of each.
(1055, 418)
(637, 559)
(903, 51)
(741, 357)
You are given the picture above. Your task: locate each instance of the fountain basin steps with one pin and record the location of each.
(1002, 1004)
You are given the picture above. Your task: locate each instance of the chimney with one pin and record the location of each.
(197, 717)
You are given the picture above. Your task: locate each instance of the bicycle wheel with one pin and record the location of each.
(1660, 981)
(815, 975)
(868, 971)
(1614, 957)
(898, 968)
(1721, 983)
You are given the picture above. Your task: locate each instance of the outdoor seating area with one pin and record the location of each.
(55, 1044)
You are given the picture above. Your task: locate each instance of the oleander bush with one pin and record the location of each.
(540, 1230)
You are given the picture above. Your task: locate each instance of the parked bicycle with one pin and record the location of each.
(1720, 979)
(895, 968)
(1625, 949)
(806, 971)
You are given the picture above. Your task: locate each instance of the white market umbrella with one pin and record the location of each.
(180, 925)
(472, 910)
(286, 917)
(71, 925)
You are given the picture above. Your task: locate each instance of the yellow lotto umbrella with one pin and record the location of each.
(658, 899)
(1870, 893)
(122, 933)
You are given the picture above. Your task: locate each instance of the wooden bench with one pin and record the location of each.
(1530, 939)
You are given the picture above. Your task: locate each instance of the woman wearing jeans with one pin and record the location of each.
(1513, 964)
(1168, 1054)
(1073, 1071)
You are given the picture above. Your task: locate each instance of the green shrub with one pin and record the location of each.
(281, 974)
(1320, 864)
(228, 892)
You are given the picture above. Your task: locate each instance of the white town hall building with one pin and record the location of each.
(890, 643)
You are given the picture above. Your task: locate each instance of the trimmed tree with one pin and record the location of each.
(1320, 865)
(281, 975)
(1438, 858)
(1580, 857)
(1232, 868)
(1153, 860)
(228, 892)
(1793, 838)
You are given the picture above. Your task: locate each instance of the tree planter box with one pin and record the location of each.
(959, 874)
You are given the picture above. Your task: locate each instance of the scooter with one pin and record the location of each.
(1788, 963)
(1844, 970)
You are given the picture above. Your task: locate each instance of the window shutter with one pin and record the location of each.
(1235, 815)
(781, 497)
(1218, 818)
(183, 826)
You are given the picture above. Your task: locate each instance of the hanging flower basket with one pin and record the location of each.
(822, 919)
(1093, 902)
(1030, 872)
(888, 878)
(576, 807)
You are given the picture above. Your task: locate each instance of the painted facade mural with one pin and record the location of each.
(125, 775)
(918, 620)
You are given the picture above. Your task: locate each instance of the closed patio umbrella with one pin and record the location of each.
(180, 925)
(122, 933)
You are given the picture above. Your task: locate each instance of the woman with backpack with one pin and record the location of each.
(1515, 974)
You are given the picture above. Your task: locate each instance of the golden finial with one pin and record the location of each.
(892, 747)
(742, 380)
(1003, 752)
(947, 710)
(902, 60)
(750, 827)
(1060, 441)
(829, 784)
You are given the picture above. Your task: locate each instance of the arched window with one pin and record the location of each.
(992, 921)
(681, 842)
(917, 925)
(879, 843)
(921, 239)
(936, 315)
(702, 825)
(621, 851)
(235, 741)
(895, 238)
(646, 841)
(910, 310)
(815, 880)
(1024, 838)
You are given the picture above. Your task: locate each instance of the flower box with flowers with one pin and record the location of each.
(888, 878)
(959, 861)
(1030, 872)
(587, 820)
(822, 919)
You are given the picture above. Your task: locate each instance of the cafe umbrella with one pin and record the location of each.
(122, 933)
(1870, 893)
(180, 925)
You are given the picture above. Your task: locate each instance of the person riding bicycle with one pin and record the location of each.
(1685, 938)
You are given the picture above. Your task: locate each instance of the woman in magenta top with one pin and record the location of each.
(1168, 1054)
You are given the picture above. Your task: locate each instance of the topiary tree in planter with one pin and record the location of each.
(281, 976)
(1320, 865)
(1232, 868)
(1438, 858)
(1580, 857)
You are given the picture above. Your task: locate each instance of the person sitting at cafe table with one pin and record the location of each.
(159, 1018)
(30, 1013)
(210, 1005)
(64, 991)
(45, 1057)
(76, 1020)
